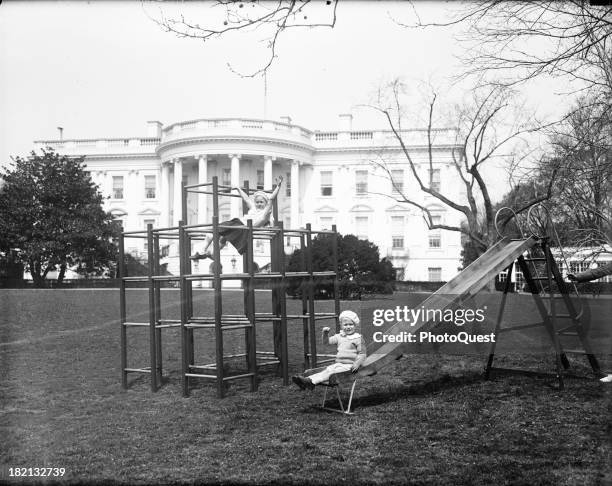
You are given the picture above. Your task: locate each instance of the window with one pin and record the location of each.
(117, 187)
(326, 183)
(361, 227)
(578, 267)
(361, 182)
(400, 273)
(434, 274)
(397, 181)
(397, 232)
(435, 235)
(288, 184)
(150, 187)
(121, 220)
(226, 177)
(260, 180)
(434, 179)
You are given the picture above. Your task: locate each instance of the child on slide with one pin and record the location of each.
(351, 352)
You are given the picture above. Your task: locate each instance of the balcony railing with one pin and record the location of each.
(99, 144)
(249, 127)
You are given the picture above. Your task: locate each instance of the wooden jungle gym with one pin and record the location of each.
(216, 321)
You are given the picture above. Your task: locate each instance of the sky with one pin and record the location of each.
(103, 69)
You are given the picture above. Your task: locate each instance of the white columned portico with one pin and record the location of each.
(236, 203)
(268, 172)
(178, 189)
(202, 179)
(165, 194)
(295, 194)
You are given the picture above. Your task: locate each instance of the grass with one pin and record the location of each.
(426, 419)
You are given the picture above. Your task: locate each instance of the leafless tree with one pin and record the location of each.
(582, 160)
(482, 137)
(268, 18)
(515, 41)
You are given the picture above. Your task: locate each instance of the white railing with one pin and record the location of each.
(266, 128)
(257, 124)
(361, 135)
(123, 142)
(326, 136)
(100, 143)
(295, 131)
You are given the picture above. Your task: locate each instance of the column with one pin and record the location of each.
(236, 203)
(295, 194)
(202, 179)
(178, 183)
(268, 172)
(164, 196)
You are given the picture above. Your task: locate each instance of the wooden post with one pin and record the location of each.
(304, 297)
(152, 323)
(336, 282)
(218, 299)
(245, 282)
(121, 270)
(311, 305)
(282, 291)
(249, 289)
(157, 297)
(276, 298)
(185, 354)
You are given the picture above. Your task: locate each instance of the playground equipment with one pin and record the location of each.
(217, 320)
(335, 382)
(533, 256)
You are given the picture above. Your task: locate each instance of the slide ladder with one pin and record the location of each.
(542, 275)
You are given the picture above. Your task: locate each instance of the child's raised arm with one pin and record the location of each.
(325, 335)
(279, 181)
(248, 201)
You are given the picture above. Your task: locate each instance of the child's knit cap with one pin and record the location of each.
(347, 314)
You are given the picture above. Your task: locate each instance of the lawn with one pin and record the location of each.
(426, 419)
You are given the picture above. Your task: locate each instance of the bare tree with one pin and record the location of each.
(482, 137)
(519, 40)
(268, 18)
(583, 164)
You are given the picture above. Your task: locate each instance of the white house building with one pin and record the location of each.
(329, 176)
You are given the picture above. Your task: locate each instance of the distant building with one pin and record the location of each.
(329, 179)
(569, 260)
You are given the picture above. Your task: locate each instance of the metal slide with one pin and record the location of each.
(469, 281)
